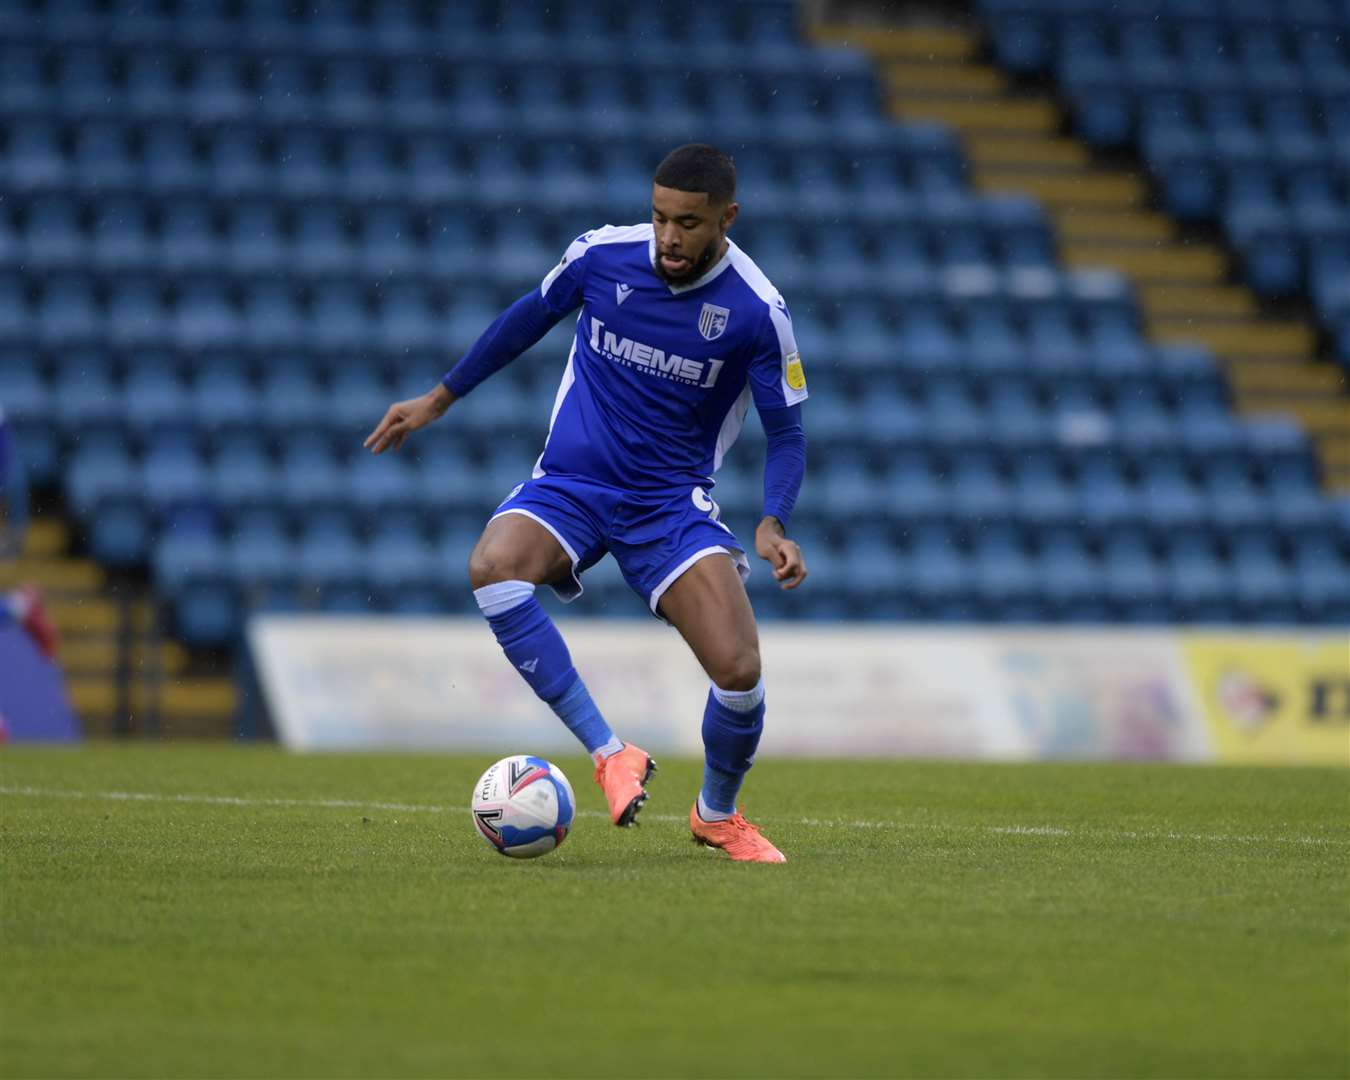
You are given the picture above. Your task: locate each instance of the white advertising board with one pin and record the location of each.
(837, 690)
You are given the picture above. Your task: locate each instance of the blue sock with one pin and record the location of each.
(732, 724)
(536, 650)
(576, 709)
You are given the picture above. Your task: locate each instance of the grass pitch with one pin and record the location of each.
(244, 912)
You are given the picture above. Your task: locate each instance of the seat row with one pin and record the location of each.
(541, 171)
(1028, 34)
(102, 82)
(1061, 333)
(126, 502)
(764, 33)
(208, 580)
(124, 235)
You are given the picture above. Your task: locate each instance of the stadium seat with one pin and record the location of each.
(218, 265)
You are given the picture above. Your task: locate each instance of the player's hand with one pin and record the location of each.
(404, 417)
(781, 553)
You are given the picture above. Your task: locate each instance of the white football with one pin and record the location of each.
(523, 806)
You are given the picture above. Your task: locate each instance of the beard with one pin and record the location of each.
(693, 272)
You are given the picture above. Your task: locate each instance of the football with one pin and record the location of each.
(523, 806)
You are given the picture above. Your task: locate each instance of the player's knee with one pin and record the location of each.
(487, 566)
(739, 672)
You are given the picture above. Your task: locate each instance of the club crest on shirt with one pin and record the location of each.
(712, 321)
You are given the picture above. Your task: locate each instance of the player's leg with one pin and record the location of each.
(515, 554)
(708, 605)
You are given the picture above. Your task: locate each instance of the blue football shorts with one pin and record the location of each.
(654, 537)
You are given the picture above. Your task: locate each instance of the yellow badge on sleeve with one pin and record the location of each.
(796, 376)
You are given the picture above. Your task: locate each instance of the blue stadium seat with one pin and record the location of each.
(285, 90)
(1321, 580)
(980, 492)
(1070, 578)
(1004, 574)
(330, 556)
(304, 169)
(172, 165)
(255, 239)
(103, 160)
(1262, 583)
(154, 399)
(54, 239)
(34, 161)
(16, 318)
(69, 314)
(205, 317)
(272, 317)
(237, 164)
(223, 400)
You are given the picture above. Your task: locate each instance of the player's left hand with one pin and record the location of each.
(780, 553)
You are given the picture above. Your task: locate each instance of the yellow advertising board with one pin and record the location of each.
(1273, 698)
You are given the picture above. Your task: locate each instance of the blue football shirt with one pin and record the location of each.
(661, 376)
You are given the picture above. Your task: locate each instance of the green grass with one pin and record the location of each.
(1165, 921)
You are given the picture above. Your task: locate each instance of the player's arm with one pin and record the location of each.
(778, 385)
(514, 331)
(784, 470)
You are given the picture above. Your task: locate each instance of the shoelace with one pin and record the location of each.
(743, 825)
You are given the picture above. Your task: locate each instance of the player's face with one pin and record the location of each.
(690, 231)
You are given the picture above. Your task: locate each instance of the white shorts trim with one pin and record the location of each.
(563, 592)
(737, 557)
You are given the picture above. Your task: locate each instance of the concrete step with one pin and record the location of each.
(1336, 478)
(918, 43)
(1326, 417)
(993, 115)
(1217, 302)
(1025, 153)
(1334, 449)
(1095, 190)
(1122, 227)
(47, 537)
(943, 80)
(99, 655)
(1273, 377)
(53, 573)
(1194, 263)
(1256, 339)
(182, 699)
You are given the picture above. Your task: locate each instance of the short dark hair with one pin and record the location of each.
(699, 167)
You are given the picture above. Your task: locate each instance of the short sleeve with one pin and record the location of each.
(561, 290)
(777, 378)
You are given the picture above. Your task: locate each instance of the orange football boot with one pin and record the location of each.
(736, 836)
(623, 777)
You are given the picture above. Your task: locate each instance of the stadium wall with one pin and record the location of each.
(836, 690)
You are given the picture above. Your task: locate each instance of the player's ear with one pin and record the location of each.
(729, 215)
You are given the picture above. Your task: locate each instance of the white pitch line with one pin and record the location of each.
(816, 823)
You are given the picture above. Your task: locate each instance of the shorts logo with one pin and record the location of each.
(796, 376)
(712, 321)
(704, 502)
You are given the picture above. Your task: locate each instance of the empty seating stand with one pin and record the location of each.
(231, 232)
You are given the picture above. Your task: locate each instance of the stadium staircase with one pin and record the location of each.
(123, 675)
(1103, 213)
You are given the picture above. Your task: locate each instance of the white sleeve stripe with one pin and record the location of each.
(787, 348)
(606, 234)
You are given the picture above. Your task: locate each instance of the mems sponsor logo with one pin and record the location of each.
(654, 361)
